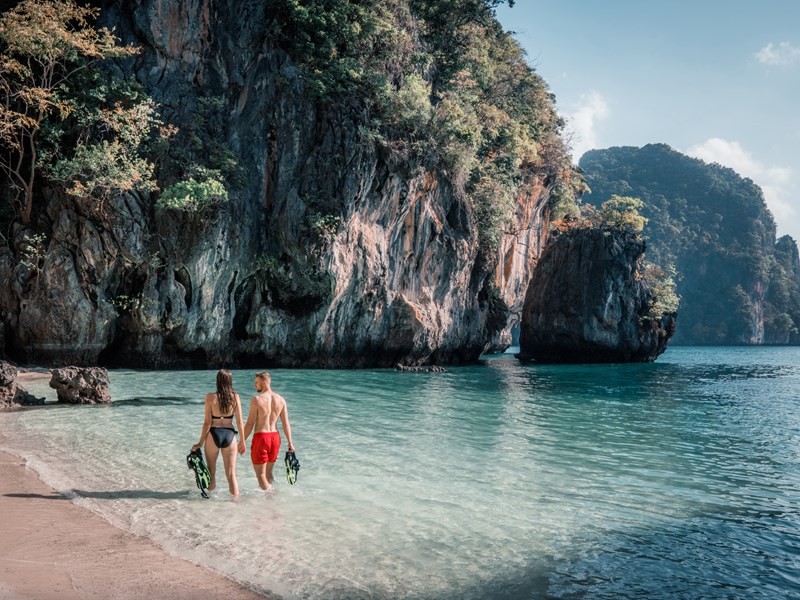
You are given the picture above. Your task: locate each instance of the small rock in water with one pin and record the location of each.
(420, 369)
(81, 385)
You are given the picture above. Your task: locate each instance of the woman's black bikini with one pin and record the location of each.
(223, 436)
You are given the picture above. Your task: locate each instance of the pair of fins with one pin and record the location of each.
(202, 476)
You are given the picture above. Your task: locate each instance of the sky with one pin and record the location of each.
(715, 79)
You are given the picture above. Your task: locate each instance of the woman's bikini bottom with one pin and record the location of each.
(223, 436)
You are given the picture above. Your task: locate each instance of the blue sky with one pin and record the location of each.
(715, 79)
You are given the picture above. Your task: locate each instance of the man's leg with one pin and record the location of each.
(268, 472)
(261, 475)
(274, 451)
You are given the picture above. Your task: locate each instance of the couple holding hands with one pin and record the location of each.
(219, 434)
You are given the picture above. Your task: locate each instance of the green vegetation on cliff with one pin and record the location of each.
(713, 227)
(69, 120)
(444, 86)
(782, 310)
(438, 83)
(62, 118)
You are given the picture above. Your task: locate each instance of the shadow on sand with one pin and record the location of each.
(115, 495)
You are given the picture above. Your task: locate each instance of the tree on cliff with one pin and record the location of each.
(59, 117)
(620, 212)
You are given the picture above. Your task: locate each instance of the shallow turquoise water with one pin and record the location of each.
(677, 479)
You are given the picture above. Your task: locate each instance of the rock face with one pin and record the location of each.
(587, 303)
(396, 282)
(11, 393)
(76, 385)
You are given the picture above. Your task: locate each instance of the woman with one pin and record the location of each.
(221, 408)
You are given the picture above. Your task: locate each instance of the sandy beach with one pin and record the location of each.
(51, 548)
(24, 376)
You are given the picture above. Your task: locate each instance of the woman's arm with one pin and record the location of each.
(206, 425)
(238, 410)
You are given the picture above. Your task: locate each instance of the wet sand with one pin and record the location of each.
(50, 548)
(24, 377)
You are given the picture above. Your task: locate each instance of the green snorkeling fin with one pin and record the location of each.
(202, 477)
(292, 467)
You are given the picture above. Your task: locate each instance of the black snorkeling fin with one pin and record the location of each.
(202, 476)
(292, 467)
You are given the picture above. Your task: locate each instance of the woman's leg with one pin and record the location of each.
(211, 460)
(229, 461)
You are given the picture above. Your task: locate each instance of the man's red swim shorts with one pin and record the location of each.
(265, 446)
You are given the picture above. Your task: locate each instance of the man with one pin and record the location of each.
(265, 408)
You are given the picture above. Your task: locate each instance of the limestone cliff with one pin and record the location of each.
(400, 278)
(587, 302)
(737, 285)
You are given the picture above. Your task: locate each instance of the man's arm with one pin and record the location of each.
(287, 429)
(251, 418)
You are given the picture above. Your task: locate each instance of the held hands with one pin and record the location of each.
(196, 446)
(242, 447)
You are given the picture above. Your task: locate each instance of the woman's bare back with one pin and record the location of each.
(217, 414)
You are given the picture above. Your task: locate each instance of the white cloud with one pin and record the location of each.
(782, 54)
(591, 108)
(775, 182)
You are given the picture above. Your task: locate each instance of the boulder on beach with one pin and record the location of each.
(81, 385)
(11, 393)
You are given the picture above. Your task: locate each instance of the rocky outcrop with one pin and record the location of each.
(587, 302)
(397, 279)
(11, 393)
(76, 385)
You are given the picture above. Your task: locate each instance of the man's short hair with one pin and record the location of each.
(264, 375)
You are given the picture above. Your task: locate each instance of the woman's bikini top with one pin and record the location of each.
(230, 416)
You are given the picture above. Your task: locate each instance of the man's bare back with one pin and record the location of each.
(269, 406)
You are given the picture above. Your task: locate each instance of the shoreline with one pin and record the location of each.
(52, 548)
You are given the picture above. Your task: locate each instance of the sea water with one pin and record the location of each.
(677, 479)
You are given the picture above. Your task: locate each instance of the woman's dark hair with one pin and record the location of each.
(225, 393)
